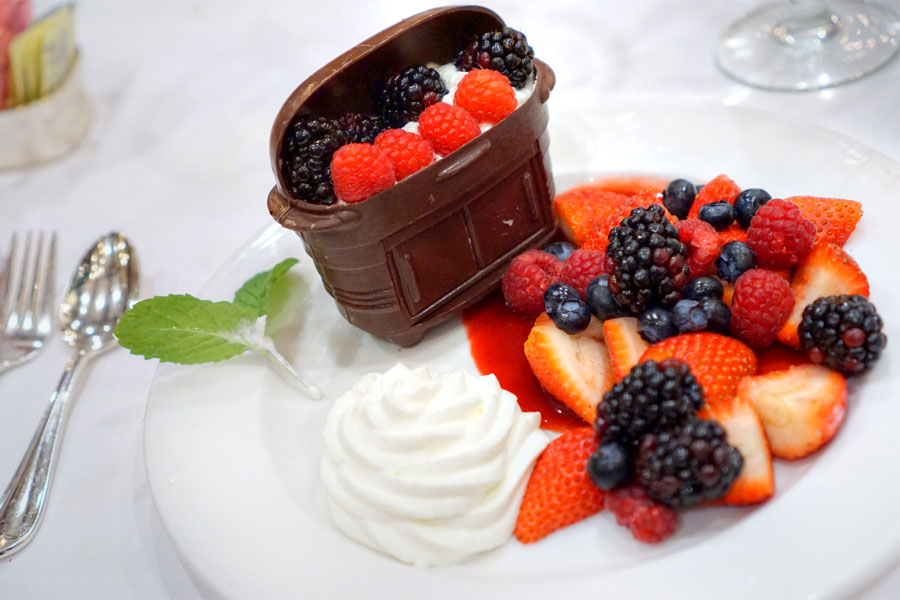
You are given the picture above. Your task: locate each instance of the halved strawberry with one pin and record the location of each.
(732, 233)
(560, 491)
(624, 343)
(583, 209)
(718, 362)
(599, 238)
(826, 271)
(778, 357)
(834, 218)
(631, 184)
(574, 369)
(744, 431)
(719, 188)
(801, 408)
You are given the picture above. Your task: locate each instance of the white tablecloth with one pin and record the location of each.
(184, 94)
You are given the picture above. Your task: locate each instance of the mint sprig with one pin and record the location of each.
(187, 330)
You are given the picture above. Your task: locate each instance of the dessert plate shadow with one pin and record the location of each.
(232, 451)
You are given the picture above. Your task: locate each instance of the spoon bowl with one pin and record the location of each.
(103, 287)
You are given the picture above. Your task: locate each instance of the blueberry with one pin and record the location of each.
(601, 301)
(718, 315)
(718, 214)
(699, 288)
(656, 324)
(572, 316)
(561, 250)
(736, 258)
(556, 294)
(747, 203)
(678, 197)
(689, 316)
(609, 466)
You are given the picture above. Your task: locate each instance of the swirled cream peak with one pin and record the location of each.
(428, 468)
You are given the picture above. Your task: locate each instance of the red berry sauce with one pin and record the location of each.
(496, 336)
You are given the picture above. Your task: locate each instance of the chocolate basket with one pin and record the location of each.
(410, 257)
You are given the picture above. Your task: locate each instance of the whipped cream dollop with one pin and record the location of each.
(428, 468)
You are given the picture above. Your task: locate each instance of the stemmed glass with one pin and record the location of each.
(809, 44)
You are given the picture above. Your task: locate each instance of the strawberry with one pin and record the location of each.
(583, 209)
(801, 408)
(575, 368)
(834, 218)
(720, 188)
(599, 238)
(826, 271)
(560, 491)
(778, 357)
(733, 233)
(744, 431)
(727, 292)
(718, 362)
(624, 343)
(630, 185)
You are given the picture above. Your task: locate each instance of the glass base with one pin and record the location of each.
(809, 45)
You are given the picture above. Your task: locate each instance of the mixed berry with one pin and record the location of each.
(682, 323)
(498, 63)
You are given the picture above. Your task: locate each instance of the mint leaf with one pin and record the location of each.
(254, 294)
(184, 329)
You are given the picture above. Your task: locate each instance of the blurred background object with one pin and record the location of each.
(808, 44)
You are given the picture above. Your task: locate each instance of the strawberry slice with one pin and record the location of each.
(834, 218)
(732, 233)
(631, 184)
(720, 188)
(801, 408)
(778, 357)
(744, 431)
(583, 209)
(826, 271)
(718, 362)
(599, 238)
(560, 491)
(624, 343)
(574, 369)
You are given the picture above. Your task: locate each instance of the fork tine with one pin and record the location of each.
(44, 310)
(37, 284)
(18, 316)
(8, 286)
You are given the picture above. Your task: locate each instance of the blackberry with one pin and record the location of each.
(687, 464)
(506, 51)
(843, 332)
(360, 129)
(306, 151)
(408, 92)
(646, 260)
(651, 398)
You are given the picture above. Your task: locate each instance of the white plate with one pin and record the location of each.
(232, 453)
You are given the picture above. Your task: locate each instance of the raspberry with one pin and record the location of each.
(720, 188)
(527, 278)
(447, 127)
(649, 521)
(703, 246)
(406, 150)
(487, 95)
(581, 268)
(360, 171)
(779, 235)
(761, 304)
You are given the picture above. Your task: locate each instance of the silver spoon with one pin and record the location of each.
(104, 286)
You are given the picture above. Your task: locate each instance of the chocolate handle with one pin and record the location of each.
(547, 73)
(295, 219)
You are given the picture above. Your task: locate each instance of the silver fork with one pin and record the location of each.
(26, 298)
